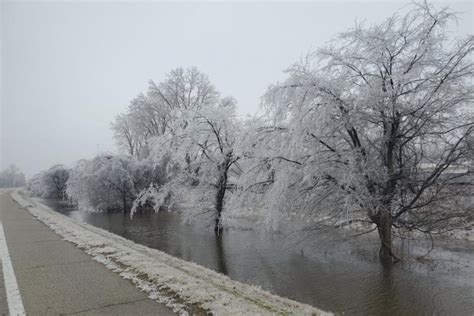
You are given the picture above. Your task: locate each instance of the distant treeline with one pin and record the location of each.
(12, 177)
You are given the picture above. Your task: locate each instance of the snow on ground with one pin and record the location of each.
(181, 285)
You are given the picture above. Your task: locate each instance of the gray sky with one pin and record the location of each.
(68, 68)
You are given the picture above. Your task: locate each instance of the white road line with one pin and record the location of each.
(15, 304)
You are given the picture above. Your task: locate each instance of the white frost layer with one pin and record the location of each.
(172, 281)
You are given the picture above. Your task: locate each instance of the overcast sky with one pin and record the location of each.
(69, 68)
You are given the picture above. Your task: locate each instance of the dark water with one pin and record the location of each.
(342, 277)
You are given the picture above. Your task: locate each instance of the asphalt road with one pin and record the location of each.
(54, 277)
(3, 294)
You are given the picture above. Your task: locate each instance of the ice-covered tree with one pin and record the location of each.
(372, 128)
(126, 135)
(50, 183)
(196, 149)
(35, 184)
(150, 115)
(108, 182)
(207, 145)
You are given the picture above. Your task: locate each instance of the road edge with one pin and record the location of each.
(14, 300)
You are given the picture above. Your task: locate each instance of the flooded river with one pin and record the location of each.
(343, 277)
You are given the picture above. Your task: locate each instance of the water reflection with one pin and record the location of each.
(341, 277)
(220, 255)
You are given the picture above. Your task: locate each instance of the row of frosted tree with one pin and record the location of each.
(375, 128)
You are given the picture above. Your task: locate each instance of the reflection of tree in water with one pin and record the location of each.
(388, 298)
(220, 255)
(125, 220)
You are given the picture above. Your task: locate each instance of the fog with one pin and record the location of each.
(68, 68)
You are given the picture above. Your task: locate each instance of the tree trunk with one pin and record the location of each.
(219, 205)
(124, 203)
(384, 227)
(221, 259)
(221, 189)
